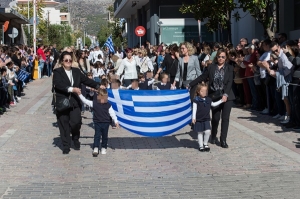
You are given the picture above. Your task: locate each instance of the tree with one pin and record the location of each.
(88, 41)
(23, 9)
(113, 27)
(64, 9)
(219, 13)
(264, 11)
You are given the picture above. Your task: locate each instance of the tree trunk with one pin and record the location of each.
(270, 33)
(229, 26)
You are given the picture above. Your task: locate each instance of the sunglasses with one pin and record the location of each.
(221, 57)
(275, 51)
(68, 60)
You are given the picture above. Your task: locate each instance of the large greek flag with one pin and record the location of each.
(109, 43)
(151, 113)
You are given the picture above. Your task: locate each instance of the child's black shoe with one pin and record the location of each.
(206, 148)
(201, 149)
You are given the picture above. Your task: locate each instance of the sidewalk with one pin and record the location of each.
(262, 160)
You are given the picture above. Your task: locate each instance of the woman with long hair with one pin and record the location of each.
(170, 63)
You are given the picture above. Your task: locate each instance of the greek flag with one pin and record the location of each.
(151, 113)
(109, 43)
(22, 75)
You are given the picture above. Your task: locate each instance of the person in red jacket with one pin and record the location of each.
(249, 74)
(42, 59)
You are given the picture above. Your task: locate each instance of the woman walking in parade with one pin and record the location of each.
(67, 81)
(220, 75)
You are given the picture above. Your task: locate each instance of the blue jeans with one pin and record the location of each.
(291, 100)
(49, 69)
(97, 79)
(253, 93)
(101, 129)
(41, 68)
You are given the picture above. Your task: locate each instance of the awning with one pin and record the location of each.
(7, 14)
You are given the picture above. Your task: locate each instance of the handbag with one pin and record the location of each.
(62, 104)
(216, 95)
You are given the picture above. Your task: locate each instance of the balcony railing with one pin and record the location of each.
(116, 4)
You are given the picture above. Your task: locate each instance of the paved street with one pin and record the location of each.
(263, 159)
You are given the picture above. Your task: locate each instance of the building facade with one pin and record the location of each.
(9, 15)
(165, 23)
(161, 19)
(51, 13)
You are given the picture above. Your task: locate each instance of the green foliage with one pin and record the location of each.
(58, 34)
(264, 11)
(113, 28)
(218, 12)
(64, 9)
(88, 41)
(23, 9)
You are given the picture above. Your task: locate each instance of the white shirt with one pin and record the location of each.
(90, 104)
(98, 73)
(264, 57)
(145, 64)
(96, 53)
(129, 67)
(69, 74)
(100, 60)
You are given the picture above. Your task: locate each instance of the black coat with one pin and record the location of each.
(209, 74)
(61, 84)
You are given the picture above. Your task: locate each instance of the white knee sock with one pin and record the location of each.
(200, 139)
(206, 136)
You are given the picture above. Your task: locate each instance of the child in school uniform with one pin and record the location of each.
(102, 113)
(145, 84)
(201, 115)
(165, 85)
(134, 85)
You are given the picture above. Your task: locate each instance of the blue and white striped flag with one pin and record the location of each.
(151, 112)
(22, 75)
(109, 43)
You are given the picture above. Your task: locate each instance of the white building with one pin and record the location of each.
(50, 13)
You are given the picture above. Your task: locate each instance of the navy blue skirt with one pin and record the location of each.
(201, 126)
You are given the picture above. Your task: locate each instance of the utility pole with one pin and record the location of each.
(34, 27)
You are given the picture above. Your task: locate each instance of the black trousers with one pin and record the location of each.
(69, 122)
(223, 110)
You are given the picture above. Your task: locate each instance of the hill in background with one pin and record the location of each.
(93, 12)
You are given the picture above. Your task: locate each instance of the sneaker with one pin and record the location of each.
(95, 152)
(18, 98)
(287, 120)
(103, 151)
(265, 111)
(282, 118)
(12, 104)
(277, 116)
